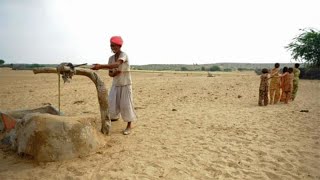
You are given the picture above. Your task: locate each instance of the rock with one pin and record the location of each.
(78, 102)
(1, 125)
(304, 110)
(48, 137)
(210, 75)
(9, 119)
(9, 139)
(19, 114)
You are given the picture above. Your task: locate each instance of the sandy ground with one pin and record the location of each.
(190, 127)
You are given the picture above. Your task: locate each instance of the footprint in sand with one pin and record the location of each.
(272, 175)
(75, 171)
(175, 173)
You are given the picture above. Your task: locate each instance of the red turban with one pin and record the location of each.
(116, 40)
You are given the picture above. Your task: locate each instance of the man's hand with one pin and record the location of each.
(96, 67)
(114, 73)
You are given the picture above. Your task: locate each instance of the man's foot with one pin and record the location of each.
(127, 131)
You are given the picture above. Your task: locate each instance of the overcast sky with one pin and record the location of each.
(154, 32)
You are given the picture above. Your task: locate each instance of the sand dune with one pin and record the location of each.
(190, 127)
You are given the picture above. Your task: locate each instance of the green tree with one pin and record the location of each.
(214, 68)
(184, 69)
(2, 61)
(203, 68)
(306, 47)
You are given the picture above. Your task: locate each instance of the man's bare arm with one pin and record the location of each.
(108, 66)
(114, 73)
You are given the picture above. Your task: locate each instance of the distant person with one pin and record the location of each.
(284, 73)
(120, 96)
(288, 85)
(264, 88)
(275, 84)
(296, 73)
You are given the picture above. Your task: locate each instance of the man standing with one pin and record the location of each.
(120, 96)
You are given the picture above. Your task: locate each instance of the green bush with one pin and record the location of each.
(258, 71)
(309, 73)
(214, 68)
(184, 69)
(35, 66)
(244, 69)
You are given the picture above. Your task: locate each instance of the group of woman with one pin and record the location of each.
(283, 86)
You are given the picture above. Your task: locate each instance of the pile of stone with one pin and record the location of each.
(45, 135)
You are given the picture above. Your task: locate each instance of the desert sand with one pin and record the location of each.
(190, 127)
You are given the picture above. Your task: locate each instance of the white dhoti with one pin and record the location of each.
(121, 103)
